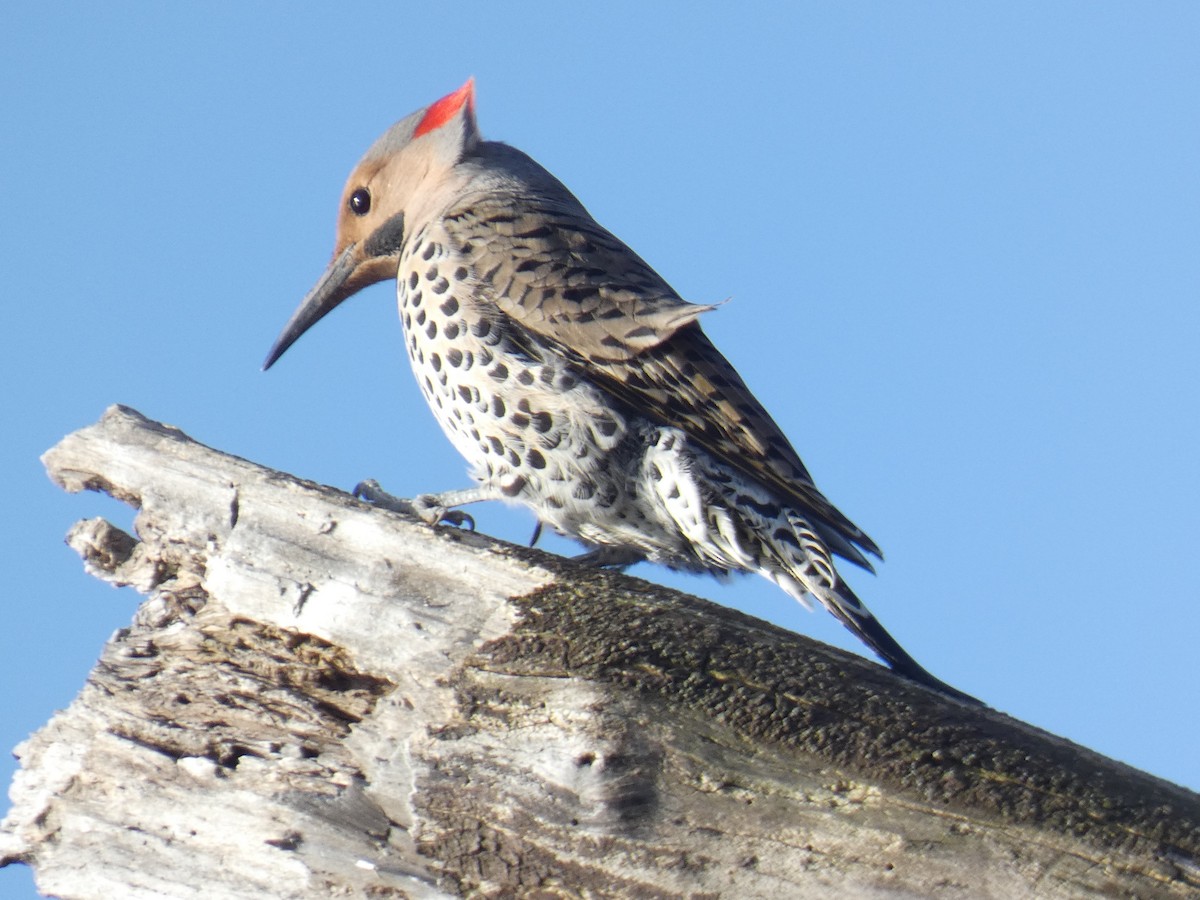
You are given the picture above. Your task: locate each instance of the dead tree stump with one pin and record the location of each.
(321, 699)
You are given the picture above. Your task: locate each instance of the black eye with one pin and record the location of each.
(360, 202)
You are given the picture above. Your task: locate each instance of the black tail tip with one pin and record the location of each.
(917, 675)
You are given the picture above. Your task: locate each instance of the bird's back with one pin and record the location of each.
(567, 285)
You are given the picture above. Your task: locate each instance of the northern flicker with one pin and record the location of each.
(572, 377)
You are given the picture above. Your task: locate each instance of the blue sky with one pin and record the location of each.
(959, 243)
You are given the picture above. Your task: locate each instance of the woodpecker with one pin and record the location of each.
(573, 379)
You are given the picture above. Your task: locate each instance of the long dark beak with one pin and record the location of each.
(337, 284)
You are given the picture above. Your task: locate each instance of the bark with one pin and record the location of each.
(318, 698)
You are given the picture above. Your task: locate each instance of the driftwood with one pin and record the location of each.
(318, 698)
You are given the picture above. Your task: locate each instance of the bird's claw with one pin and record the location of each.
(372, 492)
(426, 507)
(619, 558)
(435, 514)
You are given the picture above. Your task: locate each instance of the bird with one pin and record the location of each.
(573, 379)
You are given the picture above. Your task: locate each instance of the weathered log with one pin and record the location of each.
(319, 698)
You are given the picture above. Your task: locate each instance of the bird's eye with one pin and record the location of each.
(360, 202)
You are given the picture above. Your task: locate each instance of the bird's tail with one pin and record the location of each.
(853, 613)
(744, 527)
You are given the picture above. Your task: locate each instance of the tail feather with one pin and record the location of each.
(732, 523)
(853, 613)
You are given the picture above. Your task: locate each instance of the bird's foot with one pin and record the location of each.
(429, 508)
(609, 558)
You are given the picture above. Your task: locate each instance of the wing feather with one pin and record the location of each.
(548, 266)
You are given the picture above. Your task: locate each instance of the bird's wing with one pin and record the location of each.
(561, 275)
(553, 270)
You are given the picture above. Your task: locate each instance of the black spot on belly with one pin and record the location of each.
(606, 426)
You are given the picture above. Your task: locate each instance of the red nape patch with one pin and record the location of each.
(447, 108)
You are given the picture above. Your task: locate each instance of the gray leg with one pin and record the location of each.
(610, 557)
(432, 508)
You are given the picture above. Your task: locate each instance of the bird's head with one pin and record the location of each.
(392, 185)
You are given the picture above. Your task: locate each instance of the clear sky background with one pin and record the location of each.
(961, 244)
